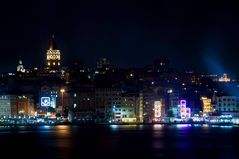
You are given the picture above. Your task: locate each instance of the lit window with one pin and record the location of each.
(54, 63)
(48, 64)
(58, 63)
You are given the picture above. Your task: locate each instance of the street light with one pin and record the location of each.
(62, 93)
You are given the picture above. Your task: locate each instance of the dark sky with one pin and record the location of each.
(200, 35)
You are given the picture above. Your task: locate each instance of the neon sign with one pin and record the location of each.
(45, 101)
(184, 111)
(157, 109)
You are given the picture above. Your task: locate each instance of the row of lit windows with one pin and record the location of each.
(4, 103)
(129, 99)
(53, 52)
(52, 57)
(227, 109)
(4, 109)
(228, 104)
(228, 99)
(128, 104)
(124, 110)
(3, 97)
(49, 64)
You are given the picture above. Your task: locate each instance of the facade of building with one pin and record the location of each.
(224, 78)
(173, 104)
(126, 112)
(8, 105)
(13, 105)
(25, 105)
(105, 100)
(227, 104)
(82, 100)
(149, 99)
(206, 105)
(52, 92)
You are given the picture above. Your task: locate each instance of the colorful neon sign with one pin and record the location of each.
(184, 111)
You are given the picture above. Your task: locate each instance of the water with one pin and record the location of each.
(124, 141)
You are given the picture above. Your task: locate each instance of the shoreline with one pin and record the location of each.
(97, 124)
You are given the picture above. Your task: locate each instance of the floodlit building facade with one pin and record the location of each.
(8, 105)
(227, 104)
(53, 55)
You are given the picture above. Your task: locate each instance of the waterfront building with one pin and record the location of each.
(149, 99)
(25, 105)
(8, 105)
(105, 99)
(82, 103)
(227, 104)
(15, 105)
(206, 105)
(128, 111)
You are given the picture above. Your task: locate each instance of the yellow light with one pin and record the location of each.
(48, 64)
(157, 109)
(62, 90)
(58, 63)
(54, 63)
(21, 112)
(207, 106)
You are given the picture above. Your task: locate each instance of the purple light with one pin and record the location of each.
(184, 111)
(183, 103)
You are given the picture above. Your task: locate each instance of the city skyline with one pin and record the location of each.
(119, 79)
(199, 36)
(52, 44)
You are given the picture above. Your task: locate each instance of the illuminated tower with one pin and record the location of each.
(53, 57)
(20, 67)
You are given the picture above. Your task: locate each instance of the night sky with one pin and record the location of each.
(200, 35)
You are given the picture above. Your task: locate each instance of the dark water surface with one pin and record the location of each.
(124, 141)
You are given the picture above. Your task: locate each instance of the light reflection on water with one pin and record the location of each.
(157, 126)
(139, 141)
(184, 126)
(157, 142)
(222, 126)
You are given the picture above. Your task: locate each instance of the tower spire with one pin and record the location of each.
(53, 55)
(52, 45)
(20, 60)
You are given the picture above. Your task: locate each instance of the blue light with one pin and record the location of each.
(45, 101)
(114, 126)
(183, 125)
